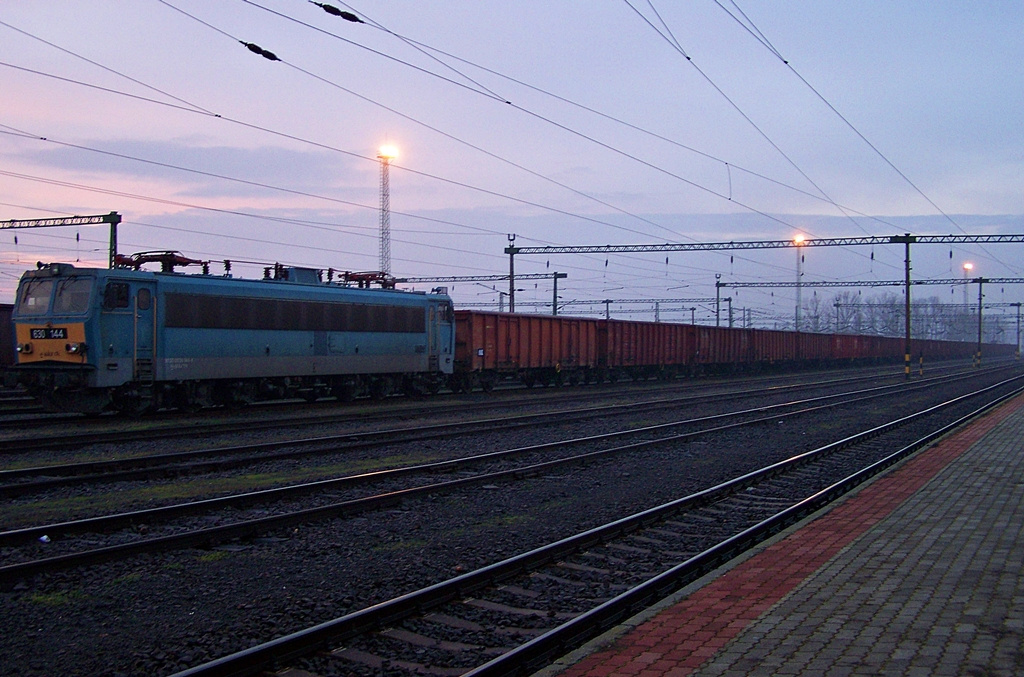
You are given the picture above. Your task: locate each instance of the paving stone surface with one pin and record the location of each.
(919, 573)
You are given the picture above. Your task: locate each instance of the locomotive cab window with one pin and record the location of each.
(72, 297)
(35, 297)
(145, 299)
(116, 295)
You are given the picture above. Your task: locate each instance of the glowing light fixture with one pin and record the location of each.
(968, 267)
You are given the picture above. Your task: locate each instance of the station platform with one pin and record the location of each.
(920, 572)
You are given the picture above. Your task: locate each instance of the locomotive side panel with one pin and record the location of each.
(267, 330)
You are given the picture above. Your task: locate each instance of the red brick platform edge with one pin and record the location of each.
(681, 638)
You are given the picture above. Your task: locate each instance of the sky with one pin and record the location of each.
(561, 123)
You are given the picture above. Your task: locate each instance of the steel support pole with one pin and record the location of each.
(906, 239)
(718, 299)
(981, 296)
(511, 249)
(1018, 331)
(115, 219)
(554, 294)
(906, 341)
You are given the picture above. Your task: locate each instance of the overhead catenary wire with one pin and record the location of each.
(315, 144)
(107, 68)
(675, 44)
(751, 28)
(730, 164)
(260, 50)
(269, 66)
(591, 139)
(478, 148)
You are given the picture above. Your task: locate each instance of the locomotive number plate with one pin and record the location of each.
(50, 333)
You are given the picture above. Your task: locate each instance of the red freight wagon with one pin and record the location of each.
(782, 346)
(548, 349)
(815, 348)
(645, 349)
(534, 348)
(846, 347)
(718, 346)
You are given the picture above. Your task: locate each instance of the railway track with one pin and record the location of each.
(517, 615)
(26, 480)
(120, 455)
(77, 432)
(17, 404)
(189, 524)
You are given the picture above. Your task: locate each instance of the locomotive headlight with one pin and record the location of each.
(25, 348)
(75, 348)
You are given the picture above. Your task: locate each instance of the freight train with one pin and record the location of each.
(546, 350)
(125, 339)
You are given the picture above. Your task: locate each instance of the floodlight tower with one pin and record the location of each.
(798, 240)
(968, 267)
(385, 155)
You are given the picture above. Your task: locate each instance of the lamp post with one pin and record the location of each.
(798, 241)
(718, 299)
(386, 154)
(981, 296)
(968, 267)
(1017, 305)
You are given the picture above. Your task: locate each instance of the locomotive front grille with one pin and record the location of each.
(64, 342)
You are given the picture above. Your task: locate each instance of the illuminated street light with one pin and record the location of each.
(968, 267)
(798, 240)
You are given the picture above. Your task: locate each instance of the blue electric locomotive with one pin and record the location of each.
(90, 339)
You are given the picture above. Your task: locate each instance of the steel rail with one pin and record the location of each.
(108, 523)
(350, 507)
(173, 463)
(536, 652)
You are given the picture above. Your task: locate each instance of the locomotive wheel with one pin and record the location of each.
(345, 392)
(134, 406)
(466, 383)
(381, 387)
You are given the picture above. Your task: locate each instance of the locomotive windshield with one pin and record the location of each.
(35, 297)
(72, 297)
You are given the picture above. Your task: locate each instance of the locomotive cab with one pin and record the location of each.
(52, 323)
